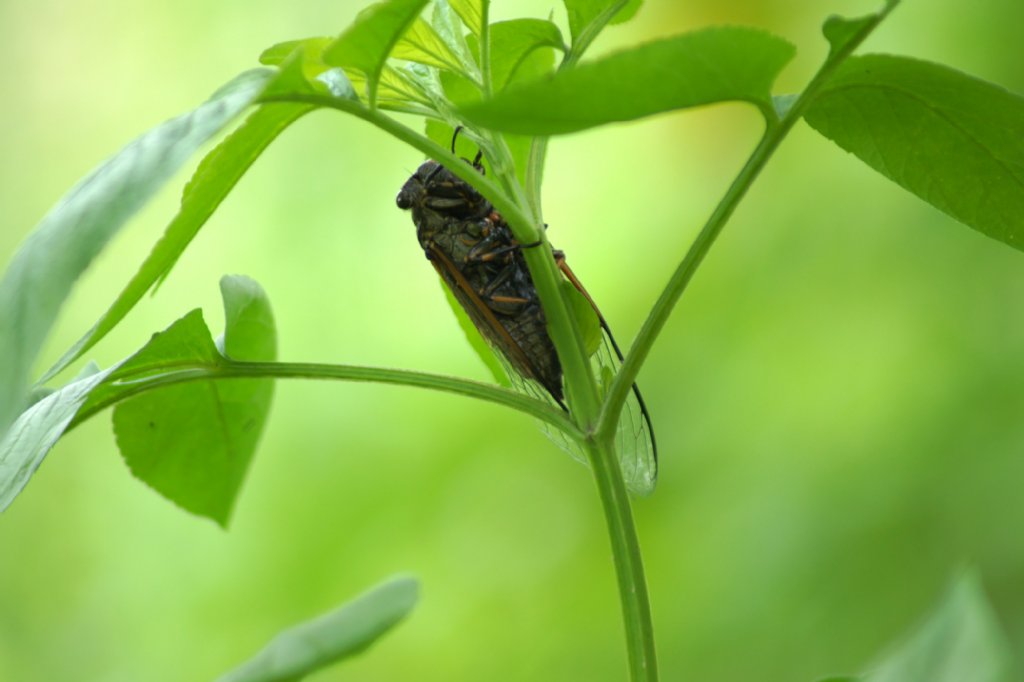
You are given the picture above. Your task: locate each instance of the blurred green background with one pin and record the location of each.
(838, 398)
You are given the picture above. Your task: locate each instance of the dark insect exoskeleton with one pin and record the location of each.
(473, 250)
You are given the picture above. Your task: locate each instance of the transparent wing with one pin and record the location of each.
(634, 438)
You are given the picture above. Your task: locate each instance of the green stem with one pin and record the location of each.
(629, 567)
(232, 369)
(775, 131)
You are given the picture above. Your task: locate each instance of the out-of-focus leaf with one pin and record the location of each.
(342, 633)
(955, 141)
(589, 16)
(707, 66)
(62, 246)
(216, 176)
(37, 430)
(193, 442)
(448, 26)
(365, 45)
(960, 641)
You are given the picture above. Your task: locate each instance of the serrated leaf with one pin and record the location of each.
(592, 15)
(192, 442)
(342, 633)
(955, 141)
(62, 246)
(960, 641)
(703, 67)
(365, 45)
(216, 175)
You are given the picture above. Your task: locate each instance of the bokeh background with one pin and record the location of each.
(838, 397)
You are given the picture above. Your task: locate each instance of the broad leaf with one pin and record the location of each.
(62, 246)
(471, 12)
(422, 44)
(845, 34)
(590, 16)
(522, 49)
(365, 45)
(192, 442)
(712, 65)
(216, 176)
(342, 633)
(953, 140)
(960, 641)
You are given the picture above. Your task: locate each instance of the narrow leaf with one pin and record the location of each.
(365, 45)
(63, 245)
(193, 442)
(37, 430)
(216, 176)
(342, 633)
(712, 65)
(960, 641)
(955, 141)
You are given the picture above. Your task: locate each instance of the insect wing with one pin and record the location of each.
(634, 436)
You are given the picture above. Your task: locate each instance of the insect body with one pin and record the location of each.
(473, 250)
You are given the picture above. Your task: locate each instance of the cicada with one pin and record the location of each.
(473, 250)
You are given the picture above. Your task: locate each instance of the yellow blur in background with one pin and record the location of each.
(838, 398)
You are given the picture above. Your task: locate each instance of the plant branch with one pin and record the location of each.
(131, 386)
(775, 131)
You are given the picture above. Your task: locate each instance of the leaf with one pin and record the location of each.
(955, 141)
(216, 176)
(960, 641)
(37, 430)
(592, 15)
(703, 67)
(342, 633)
(192, 442)
(423, 45)
(471, 12)
(845, 34)
(521, 49)
(365, 45)
(63, 245)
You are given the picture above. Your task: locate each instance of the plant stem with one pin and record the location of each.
(629, 567)
(775, 131)
(232, 369)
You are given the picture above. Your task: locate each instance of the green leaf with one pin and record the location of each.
(216, 176)
(365, 45)
(423, 45)
(193, 442)
(38, 429)
(960, 641)
(521, 49)
(342, 633)
(707, 66)
(845, 34)
(276, 55)
(590, 16)
(63, 245)
(955, 141)
(471, 12)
